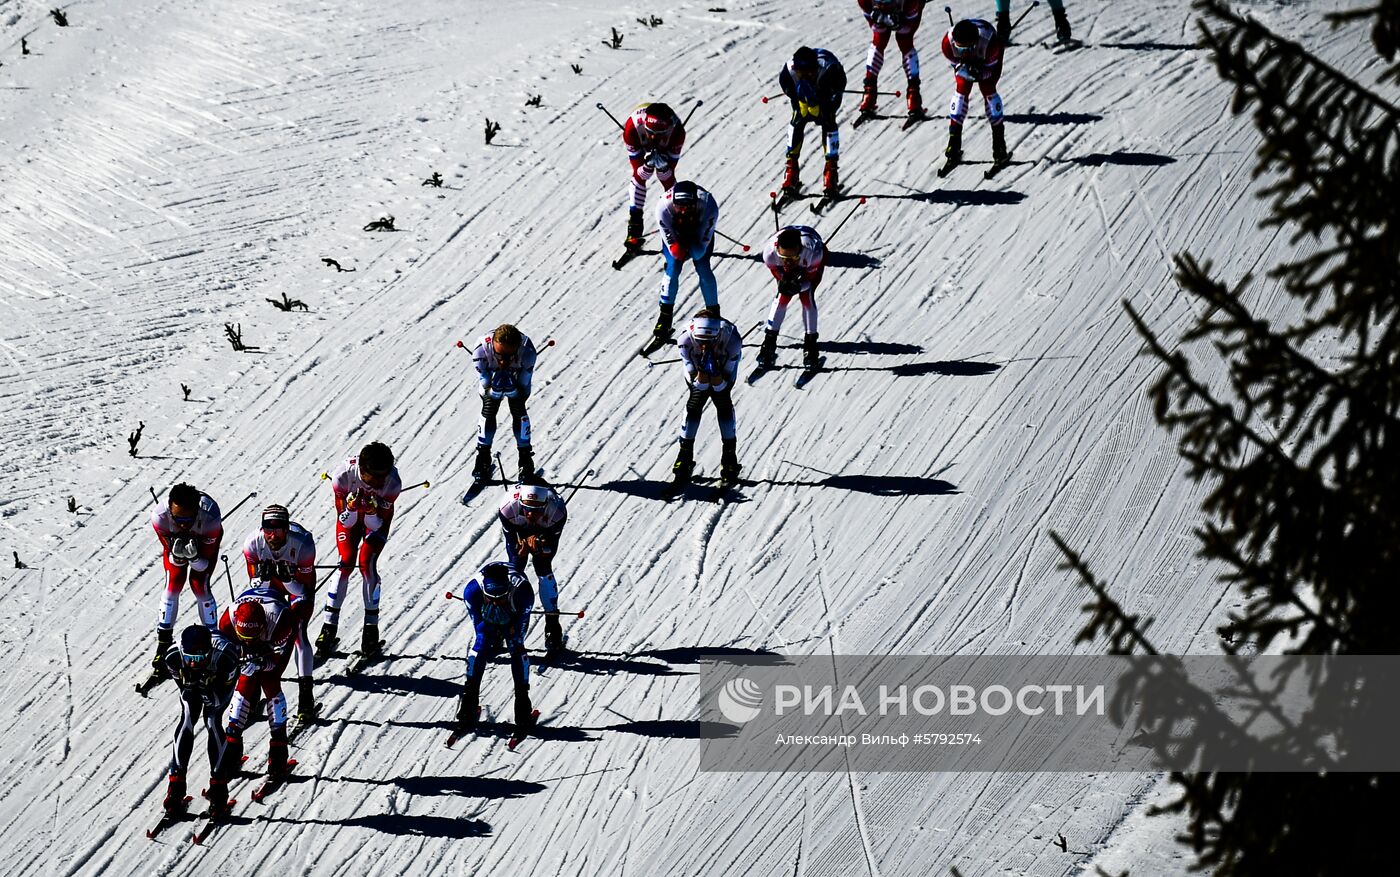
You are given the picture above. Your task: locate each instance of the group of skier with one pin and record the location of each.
(687, 215)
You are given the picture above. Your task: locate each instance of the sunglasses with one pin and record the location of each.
(183, 520)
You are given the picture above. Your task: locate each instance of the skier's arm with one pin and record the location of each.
(528, 356)
(686, 363)
(677, 142)
(208, 550)
(709, 221)
(483, 367)
(667, 226)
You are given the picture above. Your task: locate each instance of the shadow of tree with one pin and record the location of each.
(875, 485)
(960, 197)
(1148, 46)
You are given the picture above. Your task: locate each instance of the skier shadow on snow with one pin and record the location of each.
(874, 485)
(948, 368)
(1147, 46)
(495, 788)
(376, 683)
(836, 259)
(959, 197)
(864, 348)
(1052, 118)
(661, 661)
(404, 825)
(1121, 157)
(675, 729)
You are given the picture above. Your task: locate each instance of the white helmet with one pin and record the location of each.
(533, 496)
(705, 328)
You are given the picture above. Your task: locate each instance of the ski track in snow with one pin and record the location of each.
(166, 165)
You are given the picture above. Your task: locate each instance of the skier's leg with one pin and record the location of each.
(694, 406)
(778, 313)
(875, 55)
(638, 185)
(184, 733)
(809, 311)
(670, 283)
(724, 410)
(369, 578)
(347, 543)
(170, 602)
(486, 428)
(709, 287)
(204, 595)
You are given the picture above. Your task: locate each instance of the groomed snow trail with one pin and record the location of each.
(166, 165)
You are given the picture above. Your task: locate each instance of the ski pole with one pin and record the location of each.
(579, 614)
(239, 504)
(1024, 14)
(573, 490)
(894, 93)
(548, 342)
(610, 116)
(326, 476)
(844, 221)
(773, 205)
(947, 9)
(500, 467)
(698, 105)
(333, 568)
(154, 497)
(228, 575)
(743, 246)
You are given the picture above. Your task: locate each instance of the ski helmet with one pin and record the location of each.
(249, 620)
(685, 195)
(704, 326)
(658, 121)
(965, 35)
(497, 582)
(804, 61)
(534, 497)
(196, 642)
(376, 459)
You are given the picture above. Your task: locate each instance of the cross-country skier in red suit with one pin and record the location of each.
(974, 50)
(282, 553)
(901, 18)
(190, 528)
(654, 136)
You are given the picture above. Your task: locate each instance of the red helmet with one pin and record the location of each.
(658, 121)
(249, 620)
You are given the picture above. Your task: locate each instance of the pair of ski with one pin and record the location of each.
(990, 172)
(480, 484)
(909, 121)
(211, 822)
(803, 377)
(517, 735)
(676, 487)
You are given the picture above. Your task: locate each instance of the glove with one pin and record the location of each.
(251, 667)
(199, 564)
(658, 161)
(373, 522)
(789, 286)
(885, 20)
(348, 517)
(677, 251)
(182, 550)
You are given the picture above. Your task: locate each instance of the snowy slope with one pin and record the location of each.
(165, 165)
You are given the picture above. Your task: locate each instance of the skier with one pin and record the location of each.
(687, 216)
(1057, 9)
(814, 81)
(204, 668)
(901, 18)
(505, 365)
(795, 255)
(365, 489)
(973, 50)
(190, 529)
(532, 520)
(499, 601)
(710, 349)
(654, 136)
(283, 553)
(261, 623)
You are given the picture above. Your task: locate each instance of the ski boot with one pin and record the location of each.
(809, 351)
(634, 229)
(999, 153)
(831, 178)
(684, 466)
(524, 712)
(915, 100)
(468, 704)
(370, 646)
(165, 637)
(954, 150)
(768, 350)
(217, 795)
(1062, 30)
(662, 330)
(326, 641)
(791, 180)
(482, 469)
(867, 100)
(175, 802)
(527, 472)
(306, 701)
(1004, 27)
(554, 638)
(277, 753)
(729, 467)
